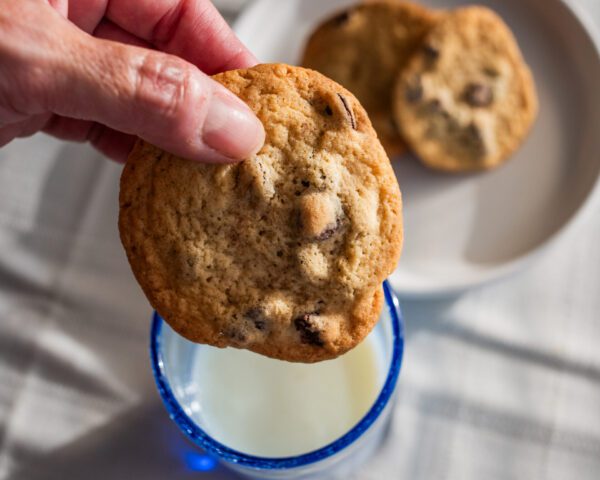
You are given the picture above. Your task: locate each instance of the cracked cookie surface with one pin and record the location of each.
(364, 48)
(467, 100)
(284, 253)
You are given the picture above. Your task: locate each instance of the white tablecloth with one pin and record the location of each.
(500, 383)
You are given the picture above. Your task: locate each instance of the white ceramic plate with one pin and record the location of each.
(464, 230)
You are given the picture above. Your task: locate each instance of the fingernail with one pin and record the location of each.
(231, 128)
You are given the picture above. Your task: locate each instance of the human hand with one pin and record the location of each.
(117, 69)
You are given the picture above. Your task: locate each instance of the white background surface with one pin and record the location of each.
(502, 382)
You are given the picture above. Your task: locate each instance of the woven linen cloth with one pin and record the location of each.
(502, 382)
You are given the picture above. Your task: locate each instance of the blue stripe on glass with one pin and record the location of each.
(200, 462)
(206, 442)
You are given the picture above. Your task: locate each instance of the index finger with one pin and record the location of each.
(191, 29)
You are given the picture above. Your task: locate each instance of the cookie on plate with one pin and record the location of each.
(467, 100)
(364, 48)
(284, 253)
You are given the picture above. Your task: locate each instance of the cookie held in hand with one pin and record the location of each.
(467, 100)
(284, 253)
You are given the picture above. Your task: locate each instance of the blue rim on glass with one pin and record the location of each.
(210, 445)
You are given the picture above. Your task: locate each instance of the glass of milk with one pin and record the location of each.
(268, 418)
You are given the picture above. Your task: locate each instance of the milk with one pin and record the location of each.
(272, 408)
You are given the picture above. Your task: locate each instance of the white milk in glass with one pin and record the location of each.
(265, 407)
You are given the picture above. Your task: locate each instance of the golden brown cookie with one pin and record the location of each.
(467, 100)
(284, 253)
(364, 48)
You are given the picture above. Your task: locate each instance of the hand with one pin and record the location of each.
(94, 70)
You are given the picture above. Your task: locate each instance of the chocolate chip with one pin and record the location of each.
(348, 110)
(280, 253)
(491, 72)
(309, 333)
(257, 316)
(341, 19)
(431, 52)
(326, 235)
(236, 335)
(305, 183)
(328, 111)
(478, 95)
(434, 106)
(473, 132)
(474, 139)
(414, 90)
(329, 231)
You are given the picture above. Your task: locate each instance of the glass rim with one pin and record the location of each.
(201, 438)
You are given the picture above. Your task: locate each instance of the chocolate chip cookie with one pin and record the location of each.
(284, 253)
(467, 100)
(364, 48)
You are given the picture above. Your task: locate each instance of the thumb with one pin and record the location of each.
(158, 97)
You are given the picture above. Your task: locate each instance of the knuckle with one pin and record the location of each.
(163, 83)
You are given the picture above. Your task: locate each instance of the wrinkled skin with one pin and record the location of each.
(105, 71)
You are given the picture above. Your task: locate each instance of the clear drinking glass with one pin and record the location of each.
(172, 356)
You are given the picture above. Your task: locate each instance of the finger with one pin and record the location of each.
(191, 29)
(61, 6)
(113, 144)
(9, 132)
(24, 128)
(33, 125)
(65, 128)
(109, 31)
(87, 14)
(10, 116)
(156, 96)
